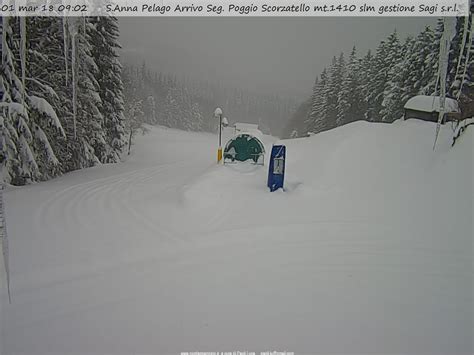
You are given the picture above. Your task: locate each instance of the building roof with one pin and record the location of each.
(250, 128)
(245, 126)
(431, 104)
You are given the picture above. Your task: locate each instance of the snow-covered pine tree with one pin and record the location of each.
(410, 75)
(135, 120)
(8, 107)
(90, 146)
(184, 120)
(387, 55)
(432, 60)
(350, 98)
(191, 116)
(336, 75)
(313, 112)
(394, 94)
(49, 78)
(16, 155)
(104, 33)
(417, 74)
(171, 108)
(42, 83)
(133, 105)
(150, 110)
(41, 136)
(367, 74)
(318, 116)
(196, 117)
(377, 84)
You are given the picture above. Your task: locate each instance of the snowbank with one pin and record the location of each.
(369, 249)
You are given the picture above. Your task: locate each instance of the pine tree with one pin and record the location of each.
(90, 146)
(104, 35)
(350, 99)
(150, 110)
(431, 62)
(51, 124)
(314, 109)
(196, 118)
(420, 75)
(135, 120)
(388, 52)
(394, 91)
(43, 82)
(336, 75)
(18, 162)
(367, 74)
(318, 116)
(171, 108)
(133, 106)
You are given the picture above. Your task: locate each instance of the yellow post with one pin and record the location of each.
(218, 114)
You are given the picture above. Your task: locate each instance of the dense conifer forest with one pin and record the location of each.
(376, 85)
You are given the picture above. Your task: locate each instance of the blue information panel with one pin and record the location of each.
(276, 171)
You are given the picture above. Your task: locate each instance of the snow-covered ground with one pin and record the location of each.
(369, 249)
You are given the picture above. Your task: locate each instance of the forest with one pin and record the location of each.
(67, 102)
(158, 98)
(375, 87)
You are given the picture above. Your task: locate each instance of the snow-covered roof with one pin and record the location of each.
(246, 126)
(431, 104)
(249, 128)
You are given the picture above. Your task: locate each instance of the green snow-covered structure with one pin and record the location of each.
(244, 147)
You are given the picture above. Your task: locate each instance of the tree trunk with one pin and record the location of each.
(130, 141)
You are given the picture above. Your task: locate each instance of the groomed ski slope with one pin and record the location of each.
(369, 249)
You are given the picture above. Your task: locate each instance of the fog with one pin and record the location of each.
(264, 55)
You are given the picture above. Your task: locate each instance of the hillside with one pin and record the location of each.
(368, 250)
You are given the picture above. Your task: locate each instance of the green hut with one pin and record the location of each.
(244, 147)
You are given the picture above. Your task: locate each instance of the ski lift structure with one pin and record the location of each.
(244, 146)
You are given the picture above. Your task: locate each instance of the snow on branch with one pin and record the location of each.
(43, 106)
(41, 136)
(46, 88)
(15, 107)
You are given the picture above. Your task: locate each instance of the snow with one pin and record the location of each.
(15, 107)
(218, 112)
(246, 127)
(46, 88)
(43, 106)
(368, 249)
(431, 104)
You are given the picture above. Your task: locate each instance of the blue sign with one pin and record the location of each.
(276, 171)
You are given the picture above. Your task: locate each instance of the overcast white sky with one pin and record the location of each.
(265, 55)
